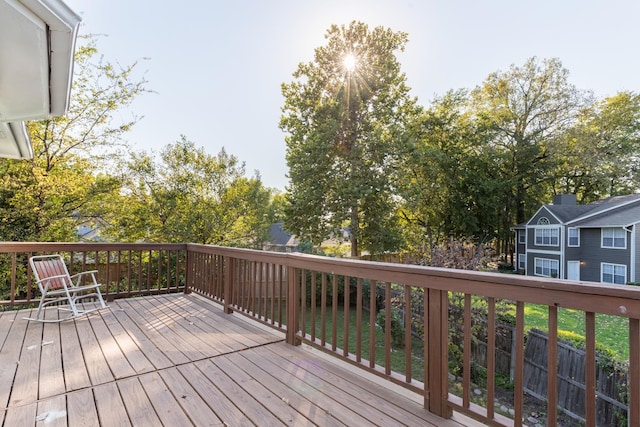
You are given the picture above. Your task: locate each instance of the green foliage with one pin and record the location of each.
(449, 186)
(338, 288)
(188, 195)
(455, 358)
(379, 291)
(396, 328)
(308, 248)
(6, 263)
(45, 198)
(596, 158)
(612, 335)
(480, 161)
(345, 131)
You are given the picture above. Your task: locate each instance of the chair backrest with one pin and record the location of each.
(45, 266)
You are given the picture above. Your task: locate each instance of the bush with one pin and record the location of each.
(397, 327)
(504, 266)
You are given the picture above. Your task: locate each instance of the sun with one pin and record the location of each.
(349, 62)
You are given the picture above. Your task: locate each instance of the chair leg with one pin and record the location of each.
(72, 304)
(39, 309)
(102, 303)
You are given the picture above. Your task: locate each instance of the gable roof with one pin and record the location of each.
(545, 208)
(624, 209)
(279, 236)
(611, 211)
(566, 213)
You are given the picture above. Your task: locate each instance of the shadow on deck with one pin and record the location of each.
(179, 360)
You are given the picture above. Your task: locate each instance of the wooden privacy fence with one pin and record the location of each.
(611, 381)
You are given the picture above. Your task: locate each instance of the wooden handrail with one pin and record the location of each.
(124, 269)
(307, 275)
(311, 298)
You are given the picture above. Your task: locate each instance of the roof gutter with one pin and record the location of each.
(15, 139)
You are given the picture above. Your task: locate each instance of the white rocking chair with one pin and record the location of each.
(58, 287)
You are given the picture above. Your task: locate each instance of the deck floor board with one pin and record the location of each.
(51, 383)
(81, 409)
(178, 359)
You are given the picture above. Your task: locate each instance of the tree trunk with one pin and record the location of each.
(353, 232)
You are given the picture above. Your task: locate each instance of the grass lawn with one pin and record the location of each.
(398, 360)
(612, 332)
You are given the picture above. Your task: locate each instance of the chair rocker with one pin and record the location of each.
(58, 287)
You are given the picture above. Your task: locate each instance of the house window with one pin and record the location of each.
(522, 262)
(522, 237)
(547, 236)
(574, 237)
(614, 273)
(546, 267)
(614, 238)
(544, 221)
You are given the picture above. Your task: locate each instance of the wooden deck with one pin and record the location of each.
(178, 360)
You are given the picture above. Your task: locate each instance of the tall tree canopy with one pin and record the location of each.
(345, 115)
(600, 155)
(450, 186)
(483, 161)
(187, 195)
(44, 198)
(528, 108)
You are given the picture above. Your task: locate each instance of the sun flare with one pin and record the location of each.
(349, 62)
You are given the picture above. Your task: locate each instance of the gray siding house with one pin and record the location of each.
(596, 242)
(280, 240)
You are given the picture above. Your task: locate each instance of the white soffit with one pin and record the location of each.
(14, 141)
(24, 62)
(37, 43)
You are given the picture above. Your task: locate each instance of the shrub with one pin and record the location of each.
(397, 327)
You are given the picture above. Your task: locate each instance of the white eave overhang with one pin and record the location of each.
(37, 44)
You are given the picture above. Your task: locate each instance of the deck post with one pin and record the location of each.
(228, 270)
(293, 306)
(189, 271)
(437, 361)
(633, 417)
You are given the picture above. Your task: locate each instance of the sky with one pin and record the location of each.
(216, 67)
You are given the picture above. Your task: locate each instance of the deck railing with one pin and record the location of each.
(389, 319)
(336, 305)
(123, 269)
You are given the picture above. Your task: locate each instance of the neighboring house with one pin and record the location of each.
(280, 240)
(597, 242)
(90, 231)
(37, 44)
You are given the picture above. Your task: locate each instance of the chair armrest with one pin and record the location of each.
(77, 278)
(48, 278)
(45, 282)
(84, 272)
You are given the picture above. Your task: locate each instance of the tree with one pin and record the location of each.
(528, 108)
(598, 157)
(345, 115)
(188, 195)
(449, 187)
(46, 197)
